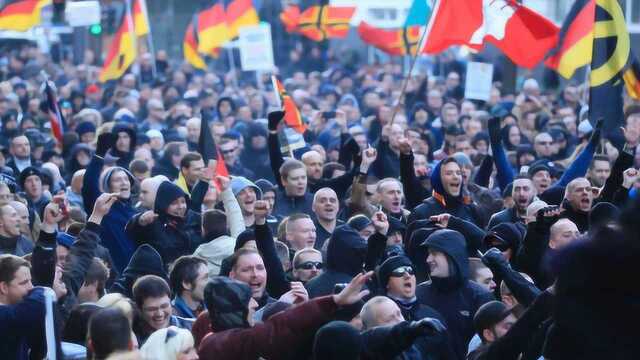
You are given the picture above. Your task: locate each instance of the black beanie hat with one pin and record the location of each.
(337, 340)
(359, 222)
(505, 233)
(387, 267)
(603, 213)
(29, 171)
(489, 315)
(243, 238)
(228, 303)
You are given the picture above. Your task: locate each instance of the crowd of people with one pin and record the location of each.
(417, 225)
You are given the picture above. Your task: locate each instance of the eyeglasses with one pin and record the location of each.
(170, 334)
(308, 265)
(399, 272)
(544, 143)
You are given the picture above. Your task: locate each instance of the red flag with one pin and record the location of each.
(292, 117)
(522, 34)
(320, 22)
(403, 41)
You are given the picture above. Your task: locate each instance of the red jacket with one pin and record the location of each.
(279, 337)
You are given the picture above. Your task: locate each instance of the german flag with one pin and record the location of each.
(398, 42)
(575, 45)
(320, 22)
(292, 117)
(21, 15)
(190, 48)
(122, 52)
(632, 78)
(140, 17)
(212, 28)
(240, 13)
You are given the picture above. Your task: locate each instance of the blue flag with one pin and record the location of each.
(419, 13)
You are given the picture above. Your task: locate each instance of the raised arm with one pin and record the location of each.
(275, 155)
(503, 169)
(581, 164)
(91, 180)
(523, 290)
(277, 283)
(235, 221)
(414, 192)
(83, 250)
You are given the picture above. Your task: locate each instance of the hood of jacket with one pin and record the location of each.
(453, 245)
(440, 194)
(144, 261)
(122, 127)
(346, 251)
(228, 303)
(168, 192)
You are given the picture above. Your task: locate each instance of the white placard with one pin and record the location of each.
(82, 13)
(479, 81)
(256, 49)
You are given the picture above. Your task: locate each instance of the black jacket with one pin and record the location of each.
(517, 339)
(508, 215)
(166, 168)
(455, 297)
(19, 245)
(172, 237)
(286, 205)
(346, 256)
(441, 202)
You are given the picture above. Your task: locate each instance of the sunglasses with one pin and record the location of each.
(308, 265)
(399, 272)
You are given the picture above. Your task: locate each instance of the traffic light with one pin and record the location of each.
(95, 30)
(58, 11)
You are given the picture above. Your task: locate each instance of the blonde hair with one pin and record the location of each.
(119, 301)
(167, 343)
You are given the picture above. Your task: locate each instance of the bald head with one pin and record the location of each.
(380, 311)
(562, 233)
(325, 204)
(579, 194)
(313, 161)
(149, 189)
(23, 216)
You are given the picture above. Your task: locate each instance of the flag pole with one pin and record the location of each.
(132, 31)
(414, 59)
(143, 5)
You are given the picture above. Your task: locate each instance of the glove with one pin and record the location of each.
(494, 130)
(352, 146)
(499, 111)
(274, 119)
(426, 327)
(493, 258)
(597, 132)
(105, 142)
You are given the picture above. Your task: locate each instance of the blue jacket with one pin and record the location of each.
(455, 297)
(21, 324)
(113, 236)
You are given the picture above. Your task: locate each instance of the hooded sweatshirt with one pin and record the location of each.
(455, 297)
(171, 236)
(442, 202)
(112, 234)
(345, 258)
(145, 261)
(124, 158)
